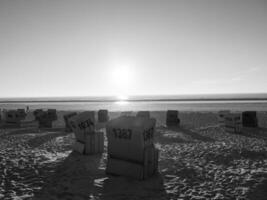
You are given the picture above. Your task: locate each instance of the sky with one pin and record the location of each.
(139, 47)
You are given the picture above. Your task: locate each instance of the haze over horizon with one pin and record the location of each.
(107, 48)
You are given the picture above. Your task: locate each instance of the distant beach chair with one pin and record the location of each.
(249, 119)
(102, 116)
(38, 113)
(13, 118)
(233, 123)
(145, 114)
(172, 118)
(221, 117)
(21, 113)
(126, 113)
(45, 118)
(52, 114)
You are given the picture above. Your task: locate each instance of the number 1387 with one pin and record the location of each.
(122, 133)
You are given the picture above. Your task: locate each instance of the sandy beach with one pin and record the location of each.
(199, 160)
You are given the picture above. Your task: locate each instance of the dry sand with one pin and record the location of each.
(197, 161)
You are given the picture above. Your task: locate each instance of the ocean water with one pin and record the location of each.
(258, 105)
(214, 102)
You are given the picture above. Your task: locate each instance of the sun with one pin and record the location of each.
(122, 78)
(122, 75)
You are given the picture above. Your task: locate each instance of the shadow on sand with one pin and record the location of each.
(83, 177)
(44, 137)
(196, 135)
(259, 133)
(260, 192)
(179, 135)
(227, 158)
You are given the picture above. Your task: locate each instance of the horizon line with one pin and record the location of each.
(135, 95)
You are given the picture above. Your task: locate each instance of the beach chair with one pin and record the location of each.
(52, 114)
(21, 113)
(45, 118)
(12, 117)
(131, 150)
(233, 123)
(249, 119)
(145, 114)
(38, 113)
(172, 119)
(126, 113)
(88, 140)
(103, 116)
(221, 116)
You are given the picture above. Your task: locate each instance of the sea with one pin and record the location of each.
(209, 103)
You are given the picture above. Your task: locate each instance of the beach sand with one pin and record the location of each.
(199, 160)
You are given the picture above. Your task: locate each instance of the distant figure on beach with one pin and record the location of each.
(27, 109)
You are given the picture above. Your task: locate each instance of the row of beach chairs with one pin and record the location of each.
(17, 118)
(44, 119)
(234, 122)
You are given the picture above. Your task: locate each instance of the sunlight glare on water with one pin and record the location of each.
(122, 100)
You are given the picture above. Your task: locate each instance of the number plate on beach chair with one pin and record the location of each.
(83, 124)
